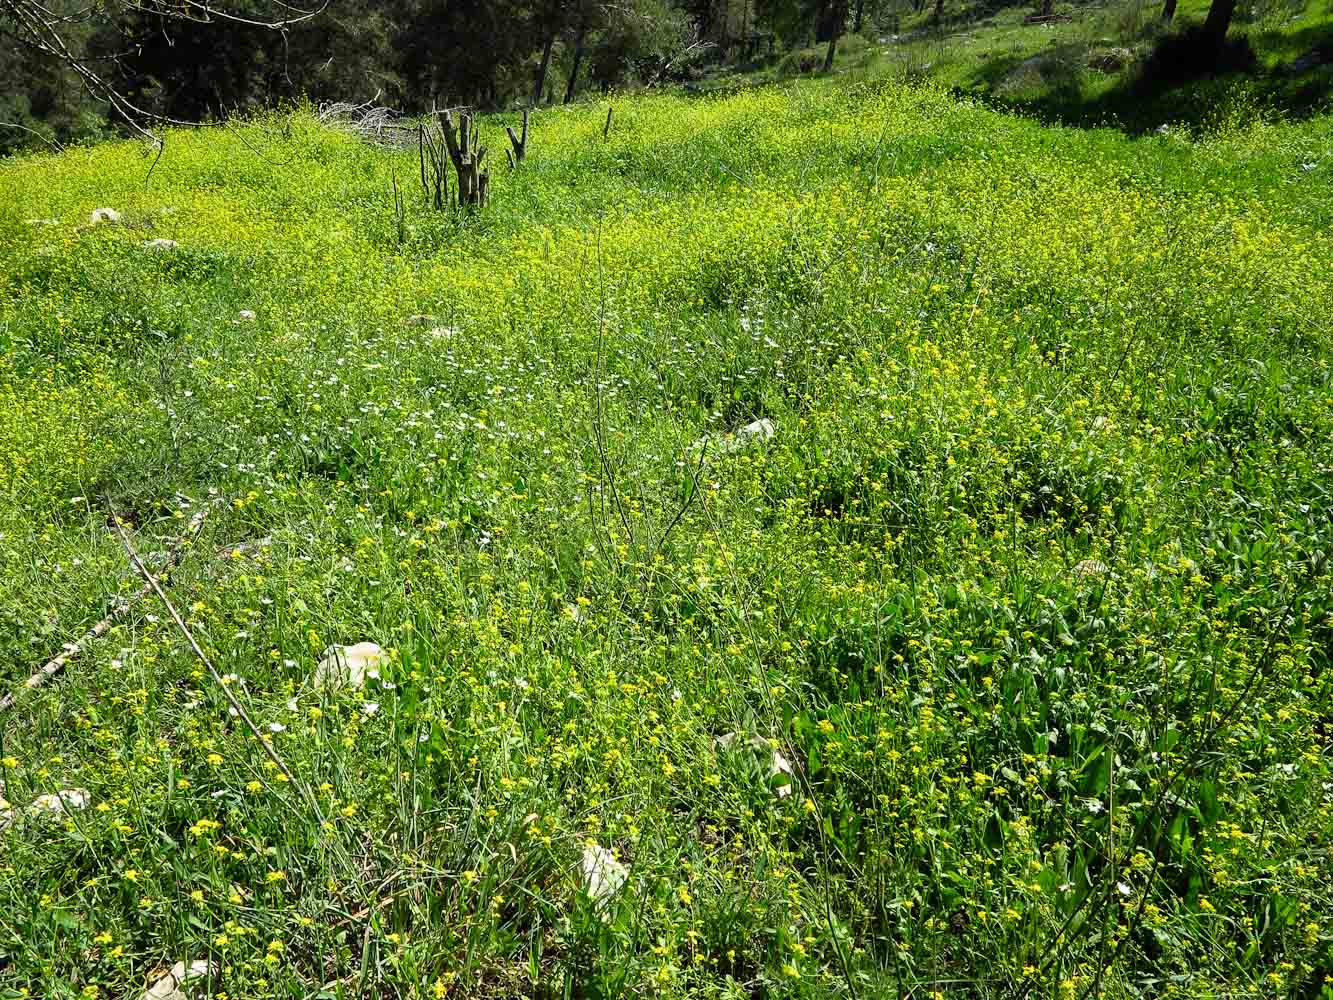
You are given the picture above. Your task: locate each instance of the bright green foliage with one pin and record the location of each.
(1044, 519)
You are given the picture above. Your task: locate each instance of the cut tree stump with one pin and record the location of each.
(467, 152)
(519, 144)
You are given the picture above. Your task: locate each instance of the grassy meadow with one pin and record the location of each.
(1024, 580)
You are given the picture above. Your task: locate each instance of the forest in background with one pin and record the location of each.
(408, 54)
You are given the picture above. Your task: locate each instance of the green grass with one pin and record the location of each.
(1057, 71)
(1029, 585)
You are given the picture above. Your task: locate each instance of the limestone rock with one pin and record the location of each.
(248, 315)
(161, 244)
(172, 985)
(603, 875)
(1090, 568)
(100, 215)
(777, 764)
(1111, 60)
(728, 444)
(341, 666)
(59, 803)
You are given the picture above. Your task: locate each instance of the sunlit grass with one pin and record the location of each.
(1048, 493)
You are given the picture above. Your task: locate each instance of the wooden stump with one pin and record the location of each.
(467, 153)
(519, 145)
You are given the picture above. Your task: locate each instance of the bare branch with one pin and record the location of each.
(41, 29)
(232, 700)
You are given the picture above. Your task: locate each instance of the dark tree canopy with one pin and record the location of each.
(75, 69)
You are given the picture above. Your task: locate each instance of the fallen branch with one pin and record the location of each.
(76, 649)
(236, 706)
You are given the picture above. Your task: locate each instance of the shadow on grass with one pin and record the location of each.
(1059, 87)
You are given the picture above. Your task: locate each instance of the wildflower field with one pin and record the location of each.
(825, 540)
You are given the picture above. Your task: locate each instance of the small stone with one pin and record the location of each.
(419, 319)
(349, 665)
(161, 244)
(727, 444)
(1090, 567)
(777, 764)
(603, 875)
(761, 429)
(59, 803)
(100, 215)
(247, 315)
(170, 986)
(1111, 60)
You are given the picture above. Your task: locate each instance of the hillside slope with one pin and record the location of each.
(1020, 569)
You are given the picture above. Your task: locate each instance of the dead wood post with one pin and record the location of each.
(520, 145)
(434, 167)
(399, 212)
(607, 130)
(467, 152)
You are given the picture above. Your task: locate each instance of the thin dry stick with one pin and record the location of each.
(236, 706)
(76, 649)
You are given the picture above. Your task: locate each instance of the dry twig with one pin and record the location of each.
(235, 704)
(76, 649)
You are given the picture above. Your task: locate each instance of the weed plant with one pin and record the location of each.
(1029, 585)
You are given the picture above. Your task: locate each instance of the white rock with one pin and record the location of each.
(169, 987)
(777, 764)
(419, 319)
(100, 215)
(59, 803)
(161, 244)
(780, 765)
(1090, 567)
(762, 429)
(247, 314)
(727, 444)
(348, 665)
(603, 875)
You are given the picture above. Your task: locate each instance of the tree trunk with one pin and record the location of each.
(860, 14)
(839, 20)
(939, 11)
(1047, 8)
(1219, 19)
(541, 70)
(578, 60)
(1168, 10)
